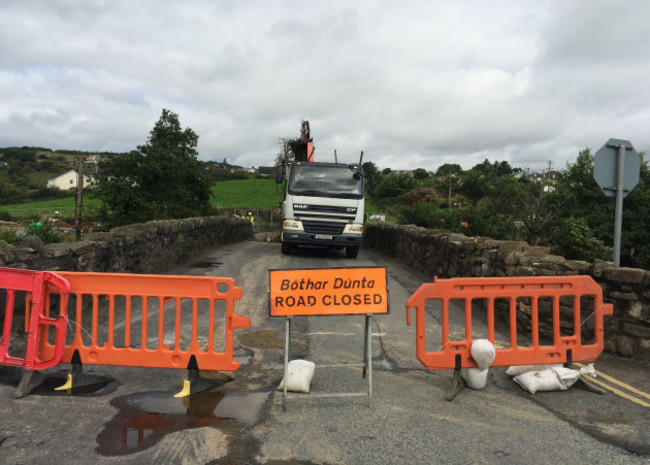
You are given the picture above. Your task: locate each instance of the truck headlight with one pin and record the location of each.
(293, 225)
(353, 229)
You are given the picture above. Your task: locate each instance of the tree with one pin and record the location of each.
(393, 185)
(527, 204)
(161, 180)
(420, 174)
(448, 169)
(587, 201)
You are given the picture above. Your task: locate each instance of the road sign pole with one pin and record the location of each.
(618, 218)
(616, 170)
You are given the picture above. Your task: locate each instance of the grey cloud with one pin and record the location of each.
(410, 83)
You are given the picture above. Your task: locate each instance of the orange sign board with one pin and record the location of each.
(328, 291)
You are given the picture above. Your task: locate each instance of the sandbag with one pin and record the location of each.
(517, 370)
(300, 374)
(483, 353)
(474, 377)
(551, 379)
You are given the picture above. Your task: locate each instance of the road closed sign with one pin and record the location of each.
(328, 291)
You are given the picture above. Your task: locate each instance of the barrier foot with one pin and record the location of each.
(77, 378)
(194, 383)
(31, 380)
(457, 385)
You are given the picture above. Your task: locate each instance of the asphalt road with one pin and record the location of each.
(136, 420)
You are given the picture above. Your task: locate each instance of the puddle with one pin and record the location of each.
(145, 418)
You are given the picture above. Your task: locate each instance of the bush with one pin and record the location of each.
(9, 236)
(46, 232)
(573, 239)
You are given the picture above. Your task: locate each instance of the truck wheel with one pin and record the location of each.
(352, 252)
(286, 248)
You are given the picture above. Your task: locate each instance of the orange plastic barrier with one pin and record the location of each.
(564, 348)
(137, 320)
(33, 283)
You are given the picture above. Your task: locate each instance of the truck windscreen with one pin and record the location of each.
(325, 181)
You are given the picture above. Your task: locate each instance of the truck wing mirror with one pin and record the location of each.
(357, 173)
(279, 175)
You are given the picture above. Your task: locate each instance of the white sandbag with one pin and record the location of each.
(551, 379)
(474, 377)
(300, 375)
(517, 370)
(483, 353)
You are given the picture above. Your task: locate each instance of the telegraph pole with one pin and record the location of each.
(79, 198)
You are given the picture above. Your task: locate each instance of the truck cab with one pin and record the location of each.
(323, 206)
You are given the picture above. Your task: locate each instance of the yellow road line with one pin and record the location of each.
(618, 391)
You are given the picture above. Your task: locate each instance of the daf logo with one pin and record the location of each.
(351, 210)
(299, 206)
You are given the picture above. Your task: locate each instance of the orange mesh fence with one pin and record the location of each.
(151, 320)
(560, 319)
(32, 284)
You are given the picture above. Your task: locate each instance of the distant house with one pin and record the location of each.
(67, 181)
(266, 171)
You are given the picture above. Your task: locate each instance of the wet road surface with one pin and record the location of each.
(134, 418)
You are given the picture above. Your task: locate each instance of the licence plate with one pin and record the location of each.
(324, 237)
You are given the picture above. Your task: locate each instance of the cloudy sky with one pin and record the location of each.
(414, 84)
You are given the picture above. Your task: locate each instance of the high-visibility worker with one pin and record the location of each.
(251, 218)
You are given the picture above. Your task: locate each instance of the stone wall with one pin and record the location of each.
(151, 247)
(446, 255)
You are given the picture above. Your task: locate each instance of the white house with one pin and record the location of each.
(68, 180)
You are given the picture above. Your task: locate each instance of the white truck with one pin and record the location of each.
(323, 206)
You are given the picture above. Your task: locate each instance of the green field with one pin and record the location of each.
(242, 193)
(246, 193)
(64, 207)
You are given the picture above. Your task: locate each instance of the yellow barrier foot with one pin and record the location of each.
(77, 378)
(195, 383)
(31, 380)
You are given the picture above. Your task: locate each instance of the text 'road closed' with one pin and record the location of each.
(328, 291)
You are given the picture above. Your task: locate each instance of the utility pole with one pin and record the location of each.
(79, 198)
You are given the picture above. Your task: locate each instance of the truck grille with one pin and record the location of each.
(324, 213)
(318, 227)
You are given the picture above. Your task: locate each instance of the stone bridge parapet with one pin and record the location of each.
(152, 247)
(445, 254)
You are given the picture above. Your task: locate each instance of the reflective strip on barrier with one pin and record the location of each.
(513, 293)
(33, 283)
(151, 320)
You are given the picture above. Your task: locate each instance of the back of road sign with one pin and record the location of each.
(606, 168)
